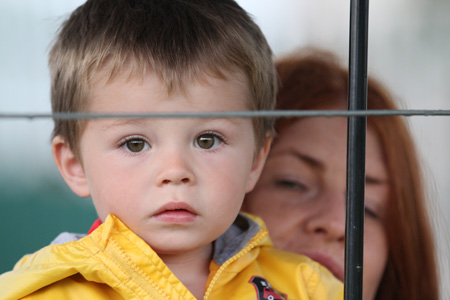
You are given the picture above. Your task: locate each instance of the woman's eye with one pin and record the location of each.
(291, 184)
(207, 141)
(370, 213)
(136, 145)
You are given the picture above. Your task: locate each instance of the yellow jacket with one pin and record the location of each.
(114, 263)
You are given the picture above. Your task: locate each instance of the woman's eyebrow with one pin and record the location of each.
(309, 160)
(370, 179)
(317, 164)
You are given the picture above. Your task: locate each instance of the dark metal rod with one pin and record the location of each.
(231, 114)
(356, 150)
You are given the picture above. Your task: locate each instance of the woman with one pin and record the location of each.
(301, 193)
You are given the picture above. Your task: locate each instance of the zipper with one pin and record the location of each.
(256, 240)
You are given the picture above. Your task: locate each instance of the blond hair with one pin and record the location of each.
(180, 40)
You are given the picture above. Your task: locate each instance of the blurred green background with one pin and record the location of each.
(32, 216)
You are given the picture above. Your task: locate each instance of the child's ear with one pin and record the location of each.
(69, 167)
(258, 163)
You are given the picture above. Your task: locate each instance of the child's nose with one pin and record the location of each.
(183, 180)
(175, 170)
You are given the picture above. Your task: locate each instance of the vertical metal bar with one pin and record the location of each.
(356, 150)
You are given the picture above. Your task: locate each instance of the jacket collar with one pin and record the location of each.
(235, 238)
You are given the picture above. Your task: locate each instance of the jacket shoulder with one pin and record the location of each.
(48, 265)
(308, 277)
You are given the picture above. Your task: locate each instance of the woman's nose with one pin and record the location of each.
(328, 218)
(174, 170)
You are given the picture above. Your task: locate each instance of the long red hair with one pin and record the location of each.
(312, 78)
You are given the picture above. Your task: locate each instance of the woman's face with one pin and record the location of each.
(301, 196)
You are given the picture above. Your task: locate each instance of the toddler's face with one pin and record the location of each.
(177, 183)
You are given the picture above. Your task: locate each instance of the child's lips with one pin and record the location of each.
(176, 212)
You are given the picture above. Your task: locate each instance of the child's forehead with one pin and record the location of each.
(130, 74)
(209, 92)
(135, 69)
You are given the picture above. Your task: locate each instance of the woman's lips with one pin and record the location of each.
(328, 263)
(176, 213)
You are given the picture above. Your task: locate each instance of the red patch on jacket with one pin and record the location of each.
(264, 291)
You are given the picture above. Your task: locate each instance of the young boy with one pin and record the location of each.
(168, 191)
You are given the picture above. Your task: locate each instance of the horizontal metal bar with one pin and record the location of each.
(228, 114)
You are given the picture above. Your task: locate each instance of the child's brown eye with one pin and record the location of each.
(207, 141)
(136, 145)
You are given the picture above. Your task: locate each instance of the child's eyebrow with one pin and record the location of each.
(233, 120)
(123, 122)
(143, 121)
